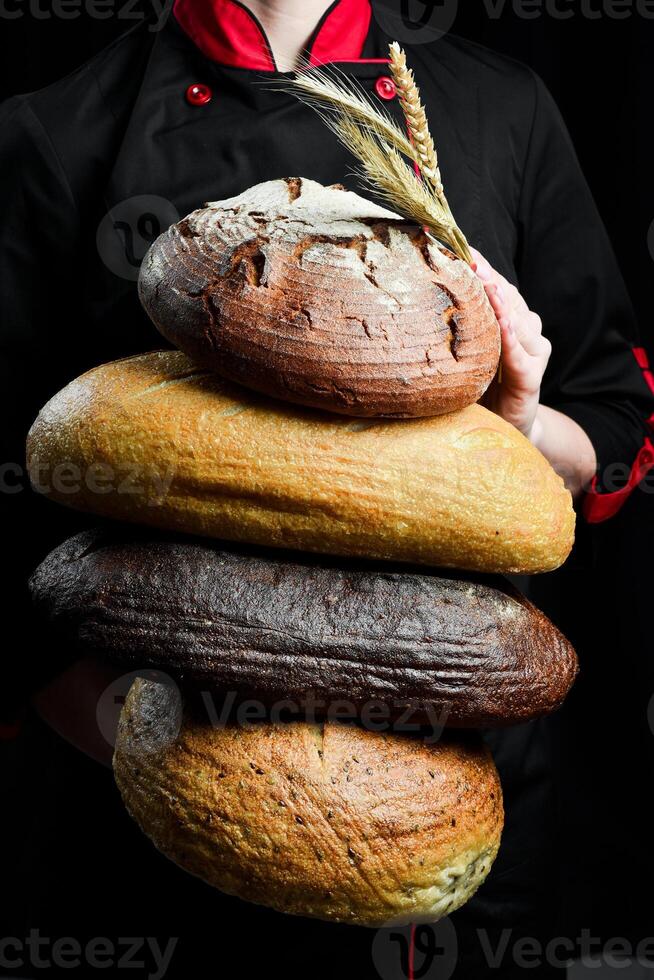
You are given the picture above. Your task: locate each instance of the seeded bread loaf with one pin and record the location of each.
(329, 821)
(317, 296)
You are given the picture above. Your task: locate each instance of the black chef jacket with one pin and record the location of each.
(91, 168)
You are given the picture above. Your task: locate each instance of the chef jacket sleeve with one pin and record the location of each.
(40, 277)
(568, 274)
(39, 290)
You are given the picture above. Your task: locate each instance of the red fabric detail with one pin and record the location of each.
(343, 33)
(643, 363)
(385, 88)
(641, 357)
(599, 507)
(649, 379)
(198, 94)
(230, 34)
(225, 32)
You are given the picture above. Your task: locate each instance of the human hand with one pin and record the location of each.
(515, 393)
(75, 705)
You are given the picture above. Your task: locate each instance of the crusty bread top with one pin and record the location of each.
(317, 296)
(325, 820)
(465, 490)
(470, 651)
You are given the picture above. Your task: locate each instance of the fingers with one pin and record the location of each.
(509, 305)
(498, 288)
(515, 359)
(527, 326)
(72, 704)
(515, 394)
(522, 369)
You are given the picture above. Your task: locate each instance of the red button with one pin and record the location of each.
(385, 88)
(198, 94)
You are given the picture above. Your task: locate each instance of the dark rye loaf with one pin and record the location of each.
(317, 296)
(272, 628)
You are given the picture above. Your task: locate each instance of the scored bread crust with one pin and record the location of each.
(317, 296)
(154, 440)
(472, 652)
(329, 821)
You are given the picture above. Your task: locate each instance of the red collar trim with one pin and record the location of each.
(227, 32)
(341, 33)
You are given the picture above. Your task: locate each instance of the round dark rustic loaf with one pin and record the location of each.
(472, 649)
(314, 295)
(329, 821)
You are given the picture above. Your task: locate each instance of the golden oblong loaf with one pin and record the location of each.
(329, 821)
(317, 296)
(154, 440)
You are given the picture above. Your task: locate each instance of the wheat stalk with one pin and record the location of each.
(385, 172)
(416, 117)
(381, 147)
(325, 94)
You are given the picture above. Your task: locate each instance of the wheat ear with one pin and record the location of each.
(418, 127)
(324, 93)
(376, 140)
(416, 117)
(388, 175)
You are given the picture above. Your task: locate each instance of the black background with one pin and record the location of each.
(598, 69)
(599, 73)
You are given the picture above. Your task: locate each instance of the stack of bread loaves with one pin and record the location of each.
(323, 402)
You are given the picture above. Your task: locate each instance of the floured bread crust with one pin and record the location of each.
(317, 296)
